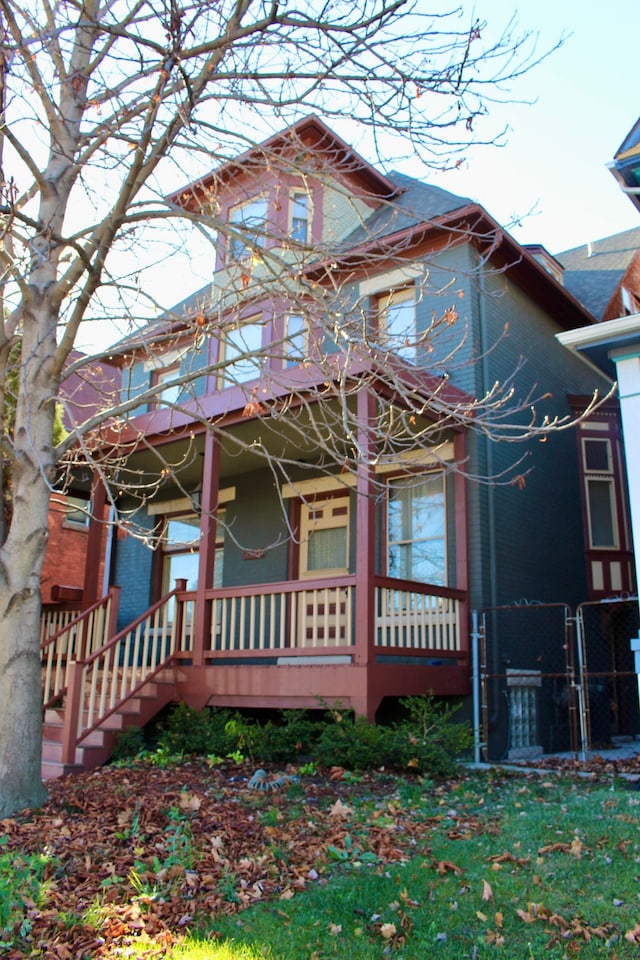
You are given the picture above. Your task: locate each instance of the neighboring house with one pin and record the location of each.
(613, 345)
(604, 275)
(625, 166)
(300, 582)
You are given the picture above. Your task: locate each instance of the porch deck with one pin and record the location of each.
(309, 631)
(279, 645)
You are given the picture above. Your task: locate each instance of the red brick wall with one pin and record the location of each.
(66, 555)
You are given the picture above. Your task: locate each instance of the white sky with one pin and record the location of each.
(550, 183)
(585, 103)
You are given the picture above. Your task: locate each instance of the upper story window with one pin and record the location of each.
(600, 493)
(397, 322)
(171, 392)
(251, 219)
(296, 342)
(241, 352)
(300, 227)
(416, 529)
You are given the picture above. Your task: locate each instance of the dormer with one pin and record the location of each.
(294, 193)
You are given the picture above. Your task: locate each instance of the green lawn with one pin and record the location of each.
(486, 865)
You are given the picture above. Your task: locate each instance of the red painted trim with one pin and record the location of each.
(207, 551)
(91, 587)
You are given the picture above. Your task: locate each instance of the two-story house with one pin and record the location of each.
(339, 446)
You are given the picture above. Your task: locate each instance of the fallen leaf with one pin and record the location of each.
(388, 930)
(487, 892)
(340, 809)
(190, 802)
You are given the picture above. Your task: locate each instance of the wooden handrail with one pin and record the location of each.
(60, 649)
(132, 626)
(114, 592)
(100, 684)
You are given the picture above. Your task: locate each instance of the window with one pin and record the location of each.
(76, 512)
(416, 529)
(397, 322)
(250, 218)
(239, 341)
(170, 393)
(324, 537)
(300, 216)
(180, 551)
(600, 491)
(295, 346)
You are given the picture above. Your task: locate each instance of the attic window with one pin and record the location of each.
(300, 216)
(250, 218)
(628, 302)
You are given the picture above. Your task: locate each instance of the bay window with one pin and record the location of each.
(250, 218)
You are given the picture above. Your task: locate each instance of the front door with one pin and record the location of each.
(324, 552)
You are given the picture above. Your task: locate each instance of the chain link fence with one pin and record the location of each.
(554, 682)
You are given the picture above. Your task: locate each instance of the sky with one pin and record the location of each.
(583, 102)
(565, 119)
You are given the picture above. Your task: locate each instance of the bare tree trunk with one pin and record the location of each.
(20, 685)
(21, 559)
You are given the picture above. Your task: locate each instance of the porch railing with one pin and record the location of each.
(77, 636)
(284, 616)
(417, 617)
(104, 681)
(318, 617)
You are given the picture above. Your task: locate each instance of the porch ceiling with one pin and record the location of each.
(315, 437)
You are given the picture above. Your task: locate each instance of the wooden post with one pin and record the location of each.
(72, 712)
(114, 594)
(90, 591)
(178, 620)
(365, 533)
(207, 555)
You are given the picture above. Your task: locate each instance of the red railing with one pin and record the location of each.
(77, 636)
(103, 682)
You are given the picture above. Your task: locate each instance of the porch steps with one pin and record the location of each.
(97, 746)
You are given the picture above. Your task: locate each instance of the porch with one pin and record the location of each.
(291, 644)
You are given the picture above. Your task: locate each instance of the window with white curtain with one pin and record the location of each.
(416, 529)
(600, 485)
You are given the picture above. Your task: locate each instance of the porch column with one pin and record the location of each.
(94, 554)
(207, 553)
(365, 533)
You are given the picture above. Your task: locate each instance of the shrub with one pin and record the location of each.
(427, 740)
(201, 732)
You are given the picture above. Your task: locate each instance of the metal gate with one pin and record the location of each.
(604, 631)
(552, 682)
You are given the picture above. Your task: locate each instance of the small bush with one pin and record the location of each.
(197, 732)
(129, 744)
(285, 741)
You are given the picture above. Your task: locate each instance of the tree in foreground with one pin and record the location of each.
(103, 107)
